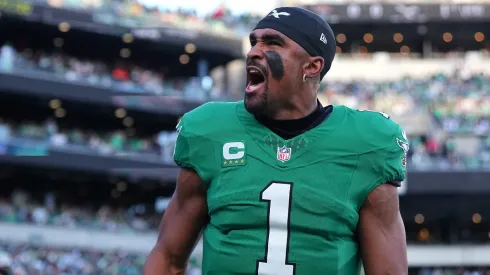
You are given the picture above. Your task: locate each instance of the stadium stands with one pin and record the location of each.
(459, 104)
(35, 260)
(55, 217)
(119, 77)
(135, 14)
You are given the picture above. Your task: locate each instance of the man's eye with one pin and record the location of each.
(273, 43)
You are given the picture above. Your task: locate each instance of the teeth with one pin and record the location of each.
(254, 71)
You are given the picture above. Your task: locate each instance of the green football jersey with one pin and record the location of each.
(287, 206)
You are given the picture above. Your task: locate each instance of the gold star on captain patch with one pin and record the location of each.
(224, 163)
(242, 161)
(236, 161)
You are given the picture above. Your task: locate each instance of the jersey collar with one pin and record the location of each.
(269, 142)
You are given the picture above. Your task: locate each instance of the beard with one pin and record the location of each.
(257, 104)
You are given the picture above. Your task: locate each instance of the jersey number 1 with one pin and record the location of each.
(278, 195)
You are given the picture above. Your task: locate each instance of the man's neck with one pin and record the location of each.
(296, 110)
(289, 128)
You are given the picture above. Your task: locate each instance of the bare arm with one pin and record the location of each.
(382, 233)
(181, 226)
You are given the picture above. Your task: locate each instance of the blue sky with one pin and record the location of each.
(207, 6)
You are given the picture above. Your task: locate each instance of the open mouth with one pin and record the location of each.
(256, 79)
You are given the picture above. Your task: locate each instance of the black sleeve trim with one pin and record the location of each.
(394, 183)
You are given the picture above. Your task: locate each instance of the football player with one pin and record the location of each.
(280, 184)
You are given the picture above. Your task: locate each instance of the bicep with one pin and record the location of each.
(185, 217)
(382, 233)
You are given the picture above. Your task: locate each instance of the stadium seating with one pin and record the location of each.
(34, 260)
(442, 101)
(457, 104)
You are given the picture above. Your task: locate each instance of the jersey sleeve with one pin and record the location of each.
(386, 162)
(194, 150)
(393, 166)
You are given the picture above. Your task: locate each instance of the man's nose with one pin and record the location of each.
(255, 53)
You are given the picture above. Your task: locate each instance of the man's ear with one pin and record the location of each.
(314, 66)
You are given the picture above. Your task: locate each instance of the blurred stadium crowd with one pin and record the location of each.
(122, 77)
(27, 260)
(35, 260)
(158, 148)
(21, 208)
(459, 137)
(32, 259)
(136, 14)
(460, 106)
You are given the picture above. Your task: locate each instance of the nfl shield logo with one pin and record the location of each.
(283, 153)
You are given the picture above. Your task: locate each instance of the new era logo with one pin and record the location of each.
(277, 14)
(323, 39)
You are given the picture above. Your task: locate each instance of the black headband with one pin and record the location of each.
(307, 29)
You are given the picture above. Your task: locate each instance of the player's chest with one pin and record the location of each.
(309, 179)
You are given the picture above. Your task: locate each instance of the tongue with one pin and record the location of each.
(253, 87)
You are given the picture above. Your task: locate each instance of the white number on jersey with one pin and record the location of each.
(278, 195)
